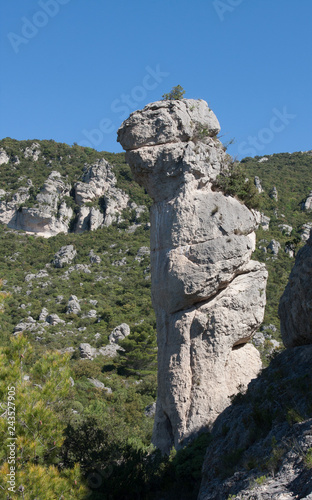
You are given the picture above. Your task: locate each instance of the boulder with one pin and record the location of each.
(274, 246)
(265, 222)
(54, 319)
(305, 231)
(73, 306)
(94, 259)
(86, 351)
(307, 204)
(64, 256)
(119, 333)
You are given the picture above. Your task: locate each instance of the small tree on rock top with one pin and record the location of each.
(176, 94)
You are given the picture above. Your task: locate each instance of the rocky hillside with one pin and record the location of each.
(49, 188)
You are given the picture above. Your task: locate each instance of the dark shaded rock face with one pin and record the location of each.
(261, 443)
(208, 295)
(295, 308)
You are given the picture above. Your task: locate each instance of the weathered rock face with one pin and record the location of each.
(100, 202)
(258, 185)
(99, 182)
(295, 308)
(208, 295)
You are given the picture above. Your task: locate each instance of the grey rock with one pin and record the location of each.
(295, 308)
(54, 319)
(119, 263)
(4, 158)
(91, 314)
(142, 252)
(94, 259)
(258, 339)
(28, 324)
(263, 159)
(64, 256)
(265, 222)
(33, 151)
(99, 181)
(274, 194)
(274, 246)
(82, 268)
(258, 184)
(73, 306)
(86, 351)
(16, 160)
(110, 350)
(270, 327)
(208, 295)
(307, 204)
(290, 250)
(119, 333)
(285, 229)
(305, 231)
(168, 121)
(44, 314)
(100, 385)
(150, 410)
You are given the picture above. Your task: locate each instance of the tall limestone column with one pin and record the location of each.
(209, 297)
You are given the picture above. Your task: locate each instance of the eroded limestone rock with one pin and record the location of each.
(208, 295)
(64, 256)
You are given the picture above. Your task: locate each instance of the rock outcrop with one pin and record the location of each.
(208, 295)
(99, 182)
(96, 199)
(295, 308)
(65, 255)
(258, 185)
(307, 204)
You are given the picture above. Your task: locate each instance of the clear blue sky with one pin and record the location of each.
(72, 70)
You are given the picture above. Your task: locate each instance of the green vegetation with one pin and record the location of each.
(175, 94)
(39, 388)
(234, 182)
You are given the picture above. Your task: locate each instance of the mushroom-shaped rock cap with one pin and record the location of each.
(168, 121)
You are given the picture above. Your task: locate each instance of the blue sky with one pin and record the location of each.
(72, 70)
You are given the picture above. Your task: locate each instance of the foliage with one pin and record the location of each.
(40, 387)
(234, 182)
(175, 94)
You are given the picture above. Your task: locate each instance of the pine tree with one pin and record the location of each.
(37, 390)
